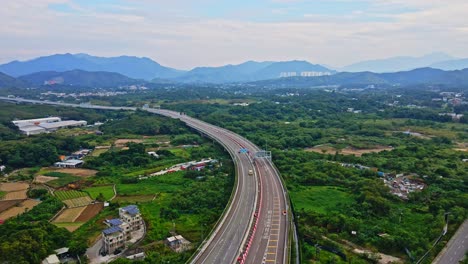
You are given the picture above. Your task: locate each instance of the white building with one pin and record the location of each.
(72, 163)
(2, 168)
(30, 122)
(45, 125)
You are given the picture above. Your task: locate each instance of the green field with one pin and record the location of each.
(107, 191)
(166, 183)
(2, 194)
(66, 195)
(63, 179)
(319, 198)
(133, 199)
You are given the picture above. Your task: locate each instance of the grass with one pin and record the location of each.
(321, 199)
(107, 191)
(2, 194)
(66, 195)
(98, 152)
(180, 152)
(63, 179)
(133, 199)
(166, 183)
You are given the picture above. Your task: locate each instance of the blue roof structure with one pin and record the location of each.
(112, 230)
(131, 210)
(114, 222)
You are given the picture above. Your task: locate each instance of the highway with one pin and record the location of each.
(254, 227)
(456, 248)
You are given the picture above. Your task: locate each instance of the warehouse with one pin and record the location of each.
(45, 125)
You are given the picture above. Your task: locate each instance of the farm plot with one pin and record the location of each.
(106, 190)
(69, 215)
(67, 195)
(44, 179)
(77, 202)
(69, 226)
(13, 186)
(91, 211)
(16, 195)
(4, 205)
(78, 172)
(19, 209)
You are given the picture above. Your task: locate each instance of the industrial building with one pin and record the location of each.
(45, 125)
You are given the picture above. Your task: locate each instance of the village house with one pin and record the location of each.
(119, 231)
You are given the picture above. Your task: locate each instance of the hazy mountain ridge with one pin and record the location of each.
(249, 71)
(396, 64)
(133, 67)
(6, 81)
(428, 76)
(79, 78)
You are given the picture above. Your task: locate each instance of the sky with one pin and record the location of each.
(187, 33)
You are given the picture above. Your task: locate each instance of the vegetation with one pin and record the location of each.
(66, 195)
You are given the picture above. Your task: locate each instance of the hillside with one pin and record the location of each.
(7, 81)
(250, 71)
(79, 78)
(413, 77)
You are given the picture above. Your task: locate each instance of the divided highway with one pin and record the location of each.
(255, 225)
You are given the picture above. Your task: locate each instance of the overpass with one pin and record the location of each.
(255, 226)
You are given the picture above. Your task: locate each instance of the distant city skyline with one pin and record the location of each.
(184, 34)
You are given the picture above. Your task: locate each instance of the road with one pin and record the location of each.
(456, 248)
(254, 228)
(258, 205)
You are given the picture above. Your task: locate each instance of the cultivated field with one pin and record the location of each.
(82, 201)
(75, 171)
(69, 226)
(67, 195)
(17, 210)
(44, 179)
(4, 205)
(89, 212)
(16, 195)
(123, 142)
(13, 186)
(69, 215)
(106, 190)
(323, 149)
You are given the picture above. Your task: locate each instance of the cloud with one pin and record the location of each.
(176, 34)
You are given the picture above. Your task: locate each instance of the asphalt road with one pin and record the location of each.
(263, 192)
(456, 248)
(257, 204)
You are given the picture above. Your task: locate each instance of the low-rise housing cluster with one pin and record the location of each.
(45, 125)
(119, 231)
(74, 160)
(178, 243)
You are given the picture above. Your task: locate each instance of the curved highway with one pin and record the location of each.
(254, 227)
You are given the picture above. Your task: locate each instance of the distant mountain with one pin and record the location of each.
(451, 65)
(229, 73)
(405, 78)
(7, 81)
(250, 71)
(133, 67)
(79, 78)
(396, 64)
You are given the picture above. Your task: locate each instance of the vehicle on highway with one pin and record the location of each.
(250, 172)
(284, 212)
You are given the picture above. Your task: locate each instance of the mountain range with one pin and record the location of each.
(427, 76)
(137, 68)
(79, 78)
(147, 69)
(133, 67)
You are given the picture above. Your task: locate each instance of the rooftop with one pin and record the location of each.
(71, 162)
(114, 222)
(131, 209)
(62, 124)
(112, 230)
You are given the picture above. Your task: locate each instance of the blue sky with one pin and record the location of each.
(187, 33)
